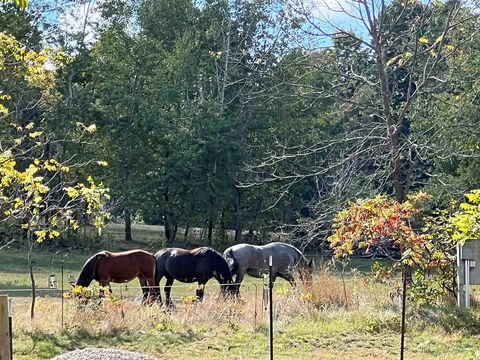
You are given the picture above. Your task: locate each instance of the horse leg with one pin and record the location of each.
(168, 289)
(103, 284)
(238, 281)
(151, 289)
(266, 290)
(158, 292)
(143, 285)
(289, 277)
(200, 291)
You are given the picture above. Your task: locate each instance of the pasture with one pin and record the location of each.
(309, 324)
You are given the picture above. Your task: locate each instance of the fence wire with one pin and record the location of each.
(177, 285)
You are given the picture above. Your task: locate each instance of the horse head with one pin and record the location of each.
(87, 274)
(228, 290)
(305, 270)
(227, 287)
(224, 276)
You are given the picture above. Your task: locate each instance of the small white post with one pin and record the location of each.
(459, 280)
(467, 283)
(52, 281)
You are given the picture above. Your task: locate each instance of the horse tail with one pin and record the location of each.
(232, 262)
(158, 270)
(87, 274)
(157, 273)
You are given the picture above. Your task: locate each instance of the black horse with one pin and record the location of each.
(197, 265)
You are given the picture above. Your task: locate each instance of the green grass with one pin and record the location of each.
(335, 335)
(304, 329)
(150, 237)
(14, 269)
(15, 279)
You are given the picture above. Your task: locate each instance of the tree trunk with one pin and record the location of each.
(251, 235)
(210, 232)
(392, 128)
(174, 237)
(166, 225)
(255, 214)
(398, 187)
(171, 227)
(128, 226)
(185, 234)
(30, 269)
(238, 215)
(223, 233)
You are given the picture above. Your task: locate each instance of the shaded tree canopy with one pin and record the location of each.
(256, 116)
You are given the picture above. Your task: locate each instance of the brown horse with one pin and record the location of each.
(121, 267)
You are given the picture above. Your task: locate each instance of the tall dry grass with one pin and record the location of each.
(327, 292)
(324, 301)
(310, 321)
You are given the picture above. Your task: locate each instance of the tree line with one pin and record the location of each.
(253, 116)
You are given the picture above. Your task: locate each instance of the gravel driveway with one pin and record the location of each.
(102, 354)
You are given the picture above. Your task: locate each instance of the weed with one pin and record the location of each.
(322, 321)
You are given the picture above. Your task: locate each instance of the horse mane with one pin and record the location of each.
(293, 247)
(231, 261)
(87, 274)
(202, 250)
(222, 267)
(217, 261)
(302, 256)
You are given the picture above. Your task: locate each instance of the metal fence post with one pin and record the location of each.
(121, 301)
(255, 313)
(404, 310)
(467, 282)
(10, 326)
(62, 294)
(270, 286)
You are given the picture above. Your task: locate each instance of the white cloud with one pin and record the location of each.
(79, 23)
(330, 16)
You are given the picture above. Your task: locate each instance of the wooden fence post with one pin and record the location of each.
(4, 329)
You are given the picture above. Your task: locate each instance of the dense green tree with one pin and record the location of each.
(40, 193)
(380, 71)
(227, 115)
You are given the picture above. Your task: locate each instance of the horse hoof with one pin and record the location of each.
(169, 306)
(168, 309)
(237, 300)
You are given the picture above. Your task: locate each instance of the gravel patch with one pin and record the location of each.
(102, 354)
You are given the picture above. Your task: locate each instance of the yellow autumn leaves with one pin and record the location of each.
(434, 48)
(36, 193)
(367, 220)
(88, 128)
(20, 3)
(466, 221)
(33, 69)
(27, 198)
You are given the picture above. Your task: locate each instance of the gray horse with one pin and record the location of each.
(253, 260)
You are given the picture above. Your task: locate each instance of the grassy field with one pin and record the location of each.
(149, 236)
(324, 322)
